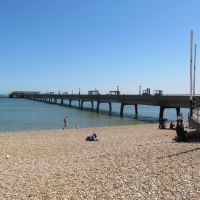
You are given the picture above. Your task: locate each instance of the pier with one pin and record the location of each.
(163, 101)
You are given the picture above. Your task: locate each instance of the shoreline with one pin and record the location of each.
(130, 162)
(127, 125)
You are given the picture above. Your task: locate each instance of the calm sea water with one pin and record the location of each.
(18, 114)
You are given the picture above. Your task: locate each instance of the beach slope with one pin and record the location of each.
(128, 162)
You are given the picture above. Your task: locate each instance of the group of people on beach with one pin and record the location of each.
(163, 125)
(179, 121)
(92, 137)
(181, 134)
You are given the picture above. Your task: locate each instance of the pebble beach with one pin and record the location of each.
(128, 162)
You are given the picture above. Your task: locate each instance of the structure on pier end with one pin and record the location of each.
(21, 94)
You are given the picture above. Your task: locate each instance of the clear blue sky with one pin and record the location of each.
(52, 45)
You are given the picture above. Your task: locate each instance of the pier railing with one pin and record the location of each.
(194, 119)
(196, 109)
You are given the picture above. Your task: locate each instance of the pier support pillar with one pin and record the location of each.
(110, 107)
(136, 109)
(178, 110)
(70, 103)
(81, 104)
(61, 102)
(92, 103)
(121, 110)
(161, 112)
(98, 106)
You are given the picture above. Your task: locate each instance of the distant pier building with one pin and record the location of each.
(21, 94)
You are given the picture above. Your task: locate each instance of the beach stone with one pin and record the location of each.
(128, 162)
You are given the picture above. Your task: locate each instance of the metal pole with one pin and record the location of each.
(195, 48)
(191, 40)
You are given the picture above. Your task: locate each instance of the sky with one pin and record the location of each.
(71, 45)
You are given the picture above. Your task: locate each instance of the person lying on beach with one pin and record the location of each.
(189, 126)
(92, 137)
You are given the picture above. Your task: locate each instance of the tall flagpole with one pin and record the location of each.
(191, 40)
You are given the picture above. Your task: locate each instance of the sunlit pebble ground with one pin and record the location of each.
(128, 162)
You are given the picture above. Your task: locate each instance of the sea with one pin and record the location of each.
(19, 114)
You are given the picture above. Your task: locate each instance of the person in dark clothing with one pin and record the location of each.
(162, 123)
(92, 137)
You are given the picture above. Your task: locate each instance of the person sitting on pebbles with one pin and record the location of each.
(92, 137)
(172, 126)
